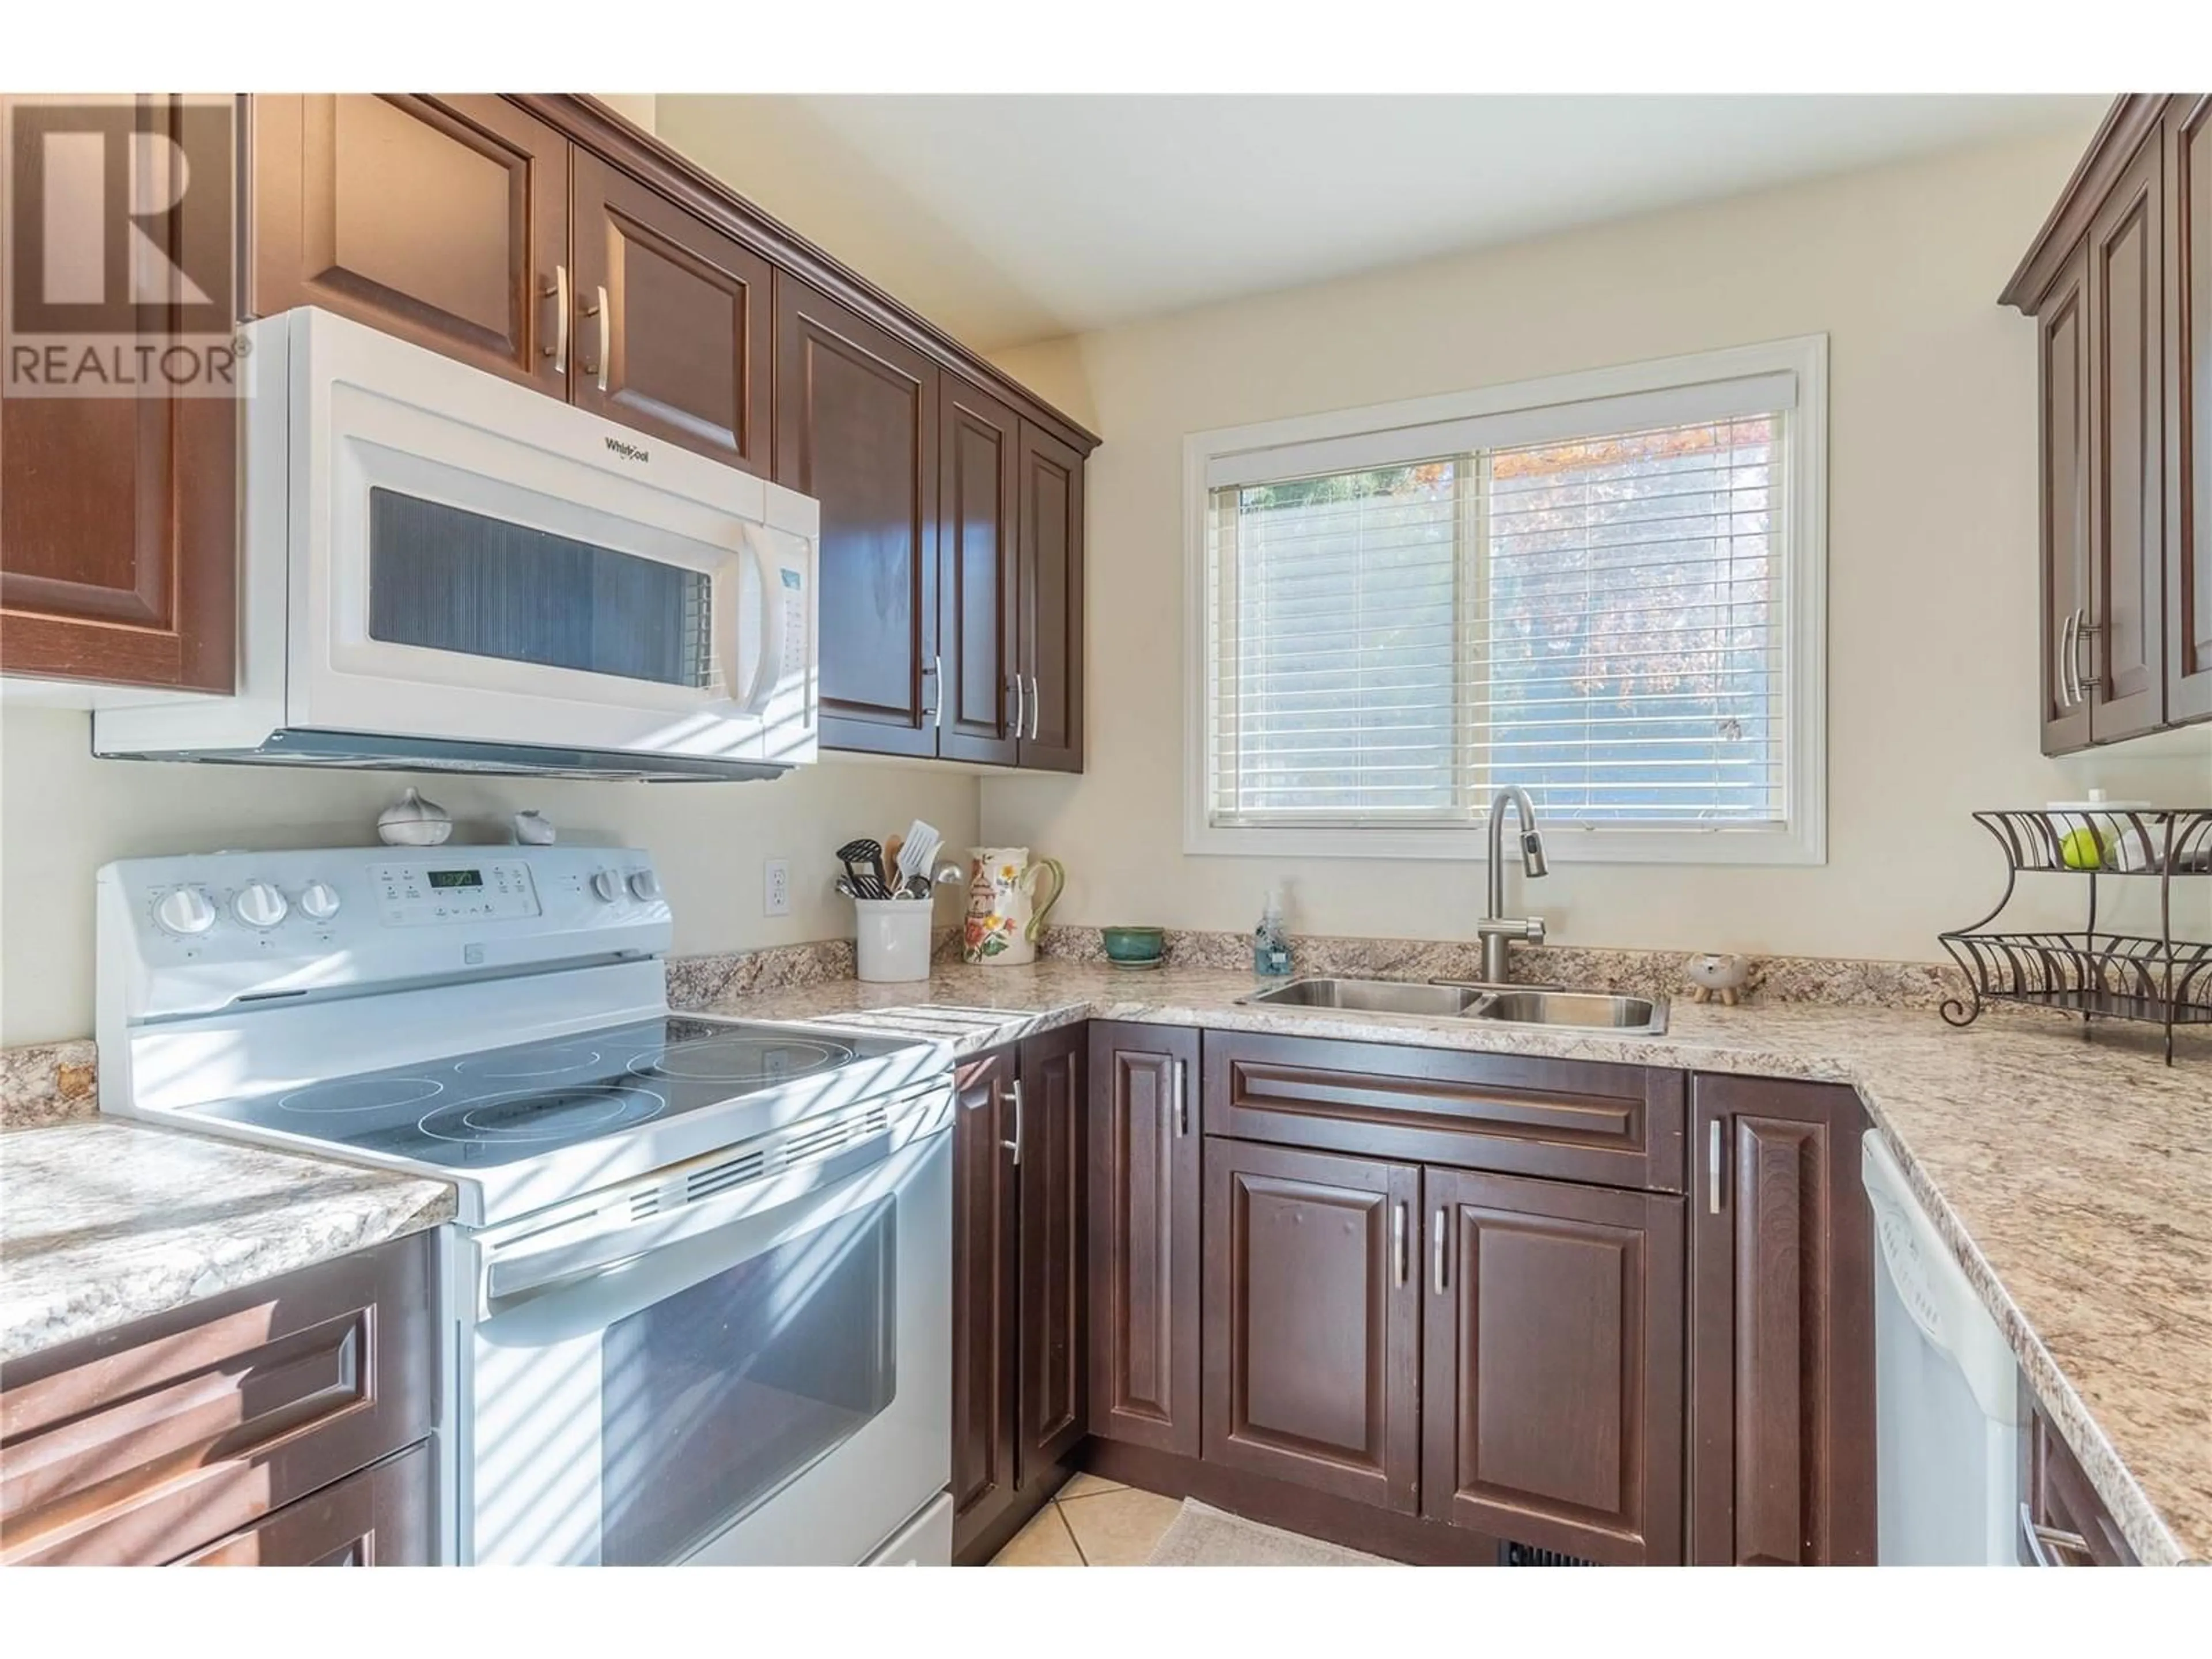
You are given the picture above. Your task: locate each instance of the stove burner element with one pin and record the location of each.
(555, 1114)
(361, 1094)
(530, 1063)
(742, 1060)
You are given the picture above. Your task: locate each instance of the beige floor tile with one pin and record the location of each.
(1043, 1543)
(1118, 1529)
(1087, 1485)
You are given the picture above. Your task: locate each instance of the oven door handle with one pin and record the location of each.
(764, 1208)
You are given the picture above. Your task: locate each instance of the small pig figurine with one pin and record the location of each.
(1715, 976)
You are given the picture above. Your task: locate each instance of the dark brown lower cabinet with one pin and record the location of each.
(1020, 1384)
(183, 1435)
(1782, 1458)
(379, 1518)
(1312, 1321)
(1552, 1393)
(1143, 1200)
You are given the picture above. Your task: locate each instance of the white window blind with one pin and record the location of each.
(1600, 618)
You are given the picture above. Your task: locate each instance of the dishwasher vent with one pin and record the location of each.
(1511, 1554)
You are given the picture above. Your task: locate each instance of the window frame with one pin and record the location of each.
(1800, 839)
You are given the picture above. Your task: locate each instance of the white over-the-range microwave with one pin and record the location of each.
(443, 569)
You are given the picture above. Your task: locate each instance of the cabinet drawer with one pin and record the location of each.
(1615, 1125)
(377, 1517)
(2065, 1524)
(144, 1443)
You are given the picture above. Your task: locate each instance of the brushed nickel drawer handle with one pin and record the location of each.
(1713, 1169)
(1182, 1101)
(1014, 1144)
(1398, 1242)
(1436, 1254)
(2041, 1539)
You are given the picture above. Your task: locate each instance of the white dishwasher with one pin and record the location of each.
(1947, 1397)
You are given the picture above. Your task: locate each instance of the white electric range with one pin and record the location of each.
(700, 1281)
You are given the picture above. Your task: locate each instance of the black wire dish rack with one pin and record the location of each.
(2098, 974)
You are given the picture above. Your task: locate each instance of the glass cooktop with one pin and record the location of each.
(505, 1104)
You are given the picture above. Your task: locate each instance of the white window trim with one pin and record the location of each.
(1802, 839)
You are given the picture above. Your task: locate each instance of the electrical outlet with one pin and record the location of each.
(778, 898)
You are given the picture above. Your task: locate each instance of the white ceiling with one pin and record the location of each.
(1011, 219)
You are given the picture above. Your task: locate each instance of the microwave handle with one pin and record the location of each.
(768, 672)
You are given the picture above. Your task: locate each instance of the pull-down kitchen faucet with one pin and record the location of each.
(1496, 929)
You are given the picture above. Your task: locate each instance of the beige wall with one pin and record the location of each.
(63, 814)
(1932, 548)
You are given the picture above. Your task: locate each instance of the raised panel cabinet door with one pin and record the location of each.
(119, 522)
(1052, 1151)
(1051, 590)
(1782, 1459)
(673, 330)
(1143, 1205)
(986, 1294)
(856, 428)
(1551, 1386)
(379, 1518)
(2125, 639)
(979, 441)
(2188, 409)
(443, 219)
(1311, 1321)
(2068, 597)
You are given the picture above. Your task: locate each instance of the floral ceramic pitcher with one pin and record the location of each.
(1003, 915)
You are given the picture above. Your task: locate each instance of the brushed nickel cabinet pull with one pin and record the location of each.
(2068, 696)
(1014, 1144)
(558, 351)
(1398, 1242)
(2041, 1540)
(607, 337)
(1713, 1168)
(1037, 708)
(1436, 1254)
(2083, 630)
(1017, 705)
(1182, 1101)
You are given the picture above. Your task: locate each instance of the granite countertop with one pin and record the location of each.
(2072, 1180)
(104, 1222)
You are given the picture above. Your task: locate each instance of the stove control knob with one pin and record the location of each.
(186, 911)
(257, 904)
(319, 900)
(607, 886)
(645, 885)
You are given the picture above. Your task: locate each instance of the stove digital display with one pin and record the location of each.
(457, 878)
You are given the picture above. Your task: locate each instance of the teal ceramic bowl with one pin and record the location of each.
(1134, 945)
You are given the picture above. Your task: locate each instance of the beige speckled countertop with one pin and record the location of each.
(104, 1222)
(2073, 1180)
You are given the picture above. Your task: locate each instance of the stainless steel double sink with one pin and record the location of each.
(1594, 1011)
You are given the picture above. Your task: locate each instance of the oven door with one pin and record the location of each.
(469, 560)
(774, 1388)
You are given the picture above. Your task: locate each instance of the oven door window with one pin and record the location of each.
(446, 579)
(716, 1397)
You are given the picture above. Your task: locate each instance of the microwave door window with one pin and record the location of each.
(445, 578)
(714, 1398)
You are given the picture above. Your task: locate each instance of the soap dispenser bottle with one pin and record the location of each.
(1271, 940)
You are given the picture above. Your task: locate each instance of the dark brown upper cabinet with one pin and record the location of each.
(979, 444)
(1312, 1321)
(674, 320)
(2189, 408)
(1020, 1389)
(119, 523)
(1782, 1467)
(2117, 281)
(1145, 1241)
(1552, 1393)
(856, 426)
(1051, 650)
(441, 219)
